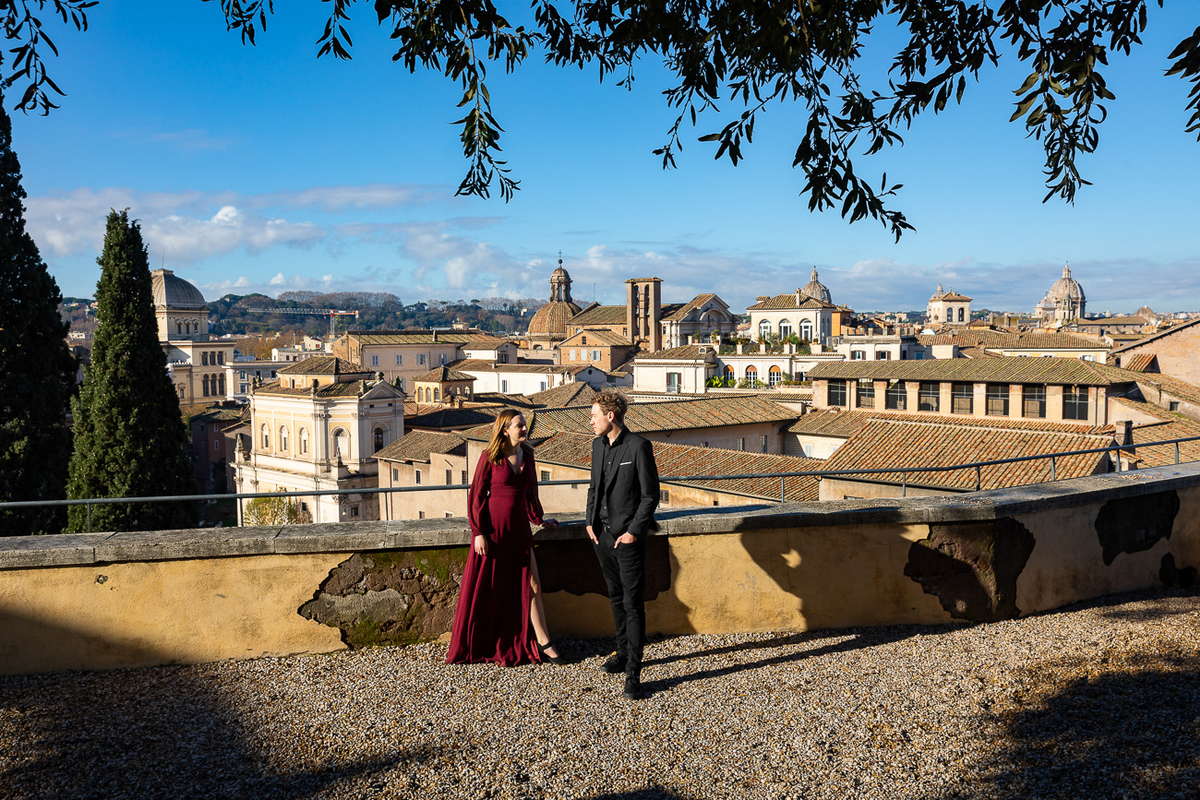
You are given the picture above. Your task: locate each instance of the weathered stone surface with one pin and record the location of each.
(390, 597)
(66, 549)
(1135, 524)
(972, 567)
(339, 537)
(199, 543)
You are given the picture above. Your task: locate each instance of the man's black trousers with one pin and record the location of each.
(625, 576)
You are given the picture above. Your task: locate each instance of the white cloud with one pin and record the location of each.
(278, 280)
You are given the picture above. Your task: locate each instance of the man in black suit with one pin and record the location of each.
(621, 499)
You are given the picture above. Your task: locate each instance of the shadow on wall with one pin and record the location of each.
(163, 732)
(1117, 734)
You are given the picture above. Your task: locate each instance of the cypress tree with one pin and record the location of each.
(130, 440)
(37, 370)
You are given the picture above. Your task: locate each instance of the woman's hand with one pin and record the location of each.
(480, 543)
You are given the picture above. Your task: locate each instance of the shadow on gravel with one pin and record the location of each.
(1115, 735)
(159, 732)
(651, 793)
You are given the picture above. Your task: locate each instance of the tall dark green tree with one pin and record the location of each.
(37, 371)
(130, 440)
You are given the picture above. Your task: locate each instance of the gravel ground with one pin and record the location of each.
(1096, 701)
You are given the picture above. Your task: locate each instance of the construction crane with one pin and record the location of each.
(332, 313)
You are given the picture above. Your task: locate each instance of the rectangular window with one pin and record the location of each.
(595, 355)
(217, 445)
(504, 386)
(420, 515)
(1172, 405)
(882, 355)
(420, 359)
(462, 476)
(929, 396)
(764, 443)
(864, 394)
(399, 360)
(858, 355)
(674, 381)
(837, 392)
(221, 357)
(997, 399)
(448, 515)
(1033, 401)
(395, 474)
(442, 358)
(417, 477)
(449, 477)
(962, 398)
(664, 495)
(204, 358)
(374, 361)
(742, 443)
(545, 475)
(896, 397)
(354, 511)
(1075, 402)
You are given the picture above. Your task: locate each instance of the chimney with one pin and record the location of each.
(798, 298)
(1124, 432)
(740, 348)
(435, 336)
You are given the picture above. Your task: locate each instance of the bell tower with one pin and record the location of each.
(643, 312)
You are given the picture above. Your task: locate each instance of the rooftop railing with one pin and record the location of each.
(1114, 450)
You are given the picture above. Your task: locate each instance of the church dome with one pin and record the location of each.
(550, 321)
(1066, 288)
(171, 291)
(816, 290)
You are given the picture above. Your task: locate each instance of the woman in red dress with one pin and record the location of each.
(499, 615)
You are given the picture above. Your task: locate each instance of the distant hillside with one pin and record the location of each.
(377, 310)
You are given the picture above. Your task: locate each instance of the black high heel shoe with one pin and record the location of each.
(558, 659)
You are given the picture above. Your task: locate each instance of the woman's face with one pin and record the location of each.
(515, 431)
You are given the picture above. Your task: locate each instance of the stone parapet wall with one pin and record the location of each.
(95, 601)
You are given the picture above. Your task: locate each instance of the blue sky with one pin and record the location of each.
(263, 169)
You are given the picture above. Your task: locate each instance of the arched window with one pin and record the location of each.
(221, 381)
(752, 375)
(785, 328)
(378, 439)
(283, 438)
(179, 328)
(303, 441)
(764, 329)
(204, 381)
(341, 444)
(437, 394)
(729, 372)
(266, 437)
(961, 311)
(774, 375)
(806, 330)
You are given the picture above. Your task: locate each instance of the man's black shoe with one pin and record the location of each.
(614, 664)
(633, 688)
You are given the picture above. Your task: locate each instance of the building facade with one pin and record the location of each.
(195, 360)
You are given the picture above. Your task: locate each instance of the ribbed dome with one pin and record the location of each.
(1066, 288)
(171, 291)
(550, 321)
(816, 290)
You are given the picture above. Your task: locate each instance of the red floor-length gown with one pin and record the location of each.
(491, 622)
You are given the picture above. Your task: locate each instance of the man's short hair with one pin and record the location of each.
(612, 400)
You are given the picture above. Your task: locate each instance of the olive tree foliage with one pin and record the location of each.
(731, 60)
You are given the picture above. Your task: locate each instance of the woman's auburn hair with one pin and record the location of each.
(499, 441)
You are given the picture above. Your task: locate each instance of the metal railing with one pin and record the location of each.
(1113, 449)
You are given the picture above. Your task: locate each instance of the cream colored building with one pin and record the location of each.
(405, 355)
(948, 308)
(195, 361)
(794, 314)
(1064, 302)
(318, 427)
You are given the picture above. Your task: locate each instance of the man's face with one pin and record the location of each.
(602, 421)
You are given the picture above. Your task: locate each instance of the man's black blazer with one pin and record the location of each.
(631, 485)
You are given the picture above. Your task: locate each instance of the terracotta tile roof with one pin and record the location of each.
(952, 296)
(1001, 340)
(685, 308)
(884, 443)
(323, 365)
(423, 336)
(342, 389)
(1123, 320)
(843, 424)
(596, 336)
(569, 394)
(483, 365)
(977, 352)
(442, 374)
(575, 450)
(786, 301)
(500, 398)
(449, 417)
(1152, 384)
(687, 352)
(1155, 336)
(1070, 371)
(597, 314)
(418, 445)
(1141, 362)
(668, 416)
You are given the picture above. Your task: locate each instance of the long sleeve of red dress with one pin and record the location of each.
(533, 506)
(477, 498)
